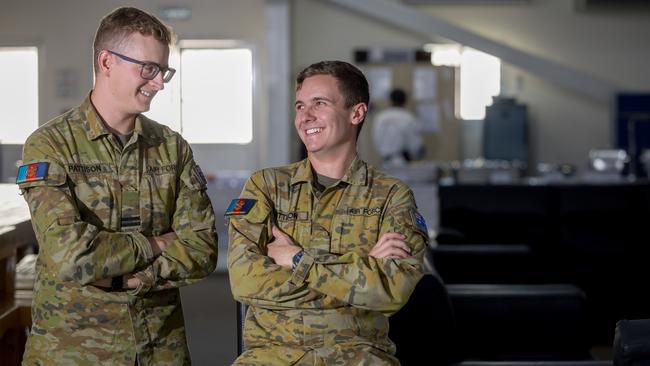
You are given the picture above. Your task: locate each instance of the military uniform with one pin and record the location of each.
(93, 203)
(333, 308)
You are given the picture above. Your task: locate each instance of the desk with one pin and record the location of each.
(15, 233)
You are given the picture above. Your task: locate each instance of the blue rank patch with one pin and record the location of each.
(239, 206)
(32, 172)
(420, 222)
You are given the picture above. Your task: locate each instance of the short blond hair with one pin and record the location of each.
(116, 27)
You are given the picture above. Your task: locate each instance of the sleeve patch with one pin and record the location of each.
(420, 223)
(32, 172)
(240, 206)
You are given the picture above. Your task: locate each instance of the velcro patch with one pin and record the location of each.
(240, 206)
(293, 216)
(130, 221)
(32, 172)
(420, 223)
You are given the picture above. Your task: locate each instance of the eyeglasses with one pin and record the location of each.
(149, 70)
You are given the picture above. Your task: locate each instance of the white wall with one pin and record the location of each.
(613, 46)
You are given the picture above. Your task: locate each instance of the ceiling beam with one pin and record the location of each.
(418, 22)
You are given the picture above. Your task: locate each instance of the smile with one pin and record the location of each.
(313, 131)
(146, 94)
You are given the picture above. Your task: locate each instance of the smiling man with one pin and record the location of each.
(324, 250)
(120, 211)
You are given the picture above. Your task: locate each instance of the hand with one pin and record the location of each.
(160, 243)
(131, 282)
(392, 246)
(282, 249)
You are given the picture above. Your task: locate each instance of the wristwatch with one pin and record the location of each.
(117, 283)
(296, 259)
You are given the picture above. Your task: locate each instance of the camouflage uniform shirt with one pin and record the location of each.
(338, 299)
(91, 213)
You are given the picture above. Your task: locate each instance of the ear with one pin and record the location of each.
(105, 62)
(359, 112)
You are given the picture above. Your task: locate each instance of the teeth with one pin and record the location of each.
(312, 131)
(146, 94)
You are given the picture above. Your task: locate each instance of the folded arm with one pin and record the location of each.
(255, 278)
(384, 279)
(190, 253)
(71, 248)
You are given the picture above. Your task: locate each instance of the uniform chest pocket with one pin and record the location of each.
(296, 224)
(356, 233)
(157, 201)
(96, 199)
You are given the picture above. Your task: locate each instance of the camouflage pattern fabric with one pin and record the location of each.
(91, 214)
(333, 309)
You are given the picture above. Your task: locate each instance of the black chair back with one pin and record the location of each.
(424, 330)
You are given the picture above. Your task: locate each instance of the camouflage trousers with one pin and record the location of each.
(362, 355)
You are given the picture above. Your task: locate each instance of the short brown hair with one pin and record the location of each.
(117, 26)
(351, 81)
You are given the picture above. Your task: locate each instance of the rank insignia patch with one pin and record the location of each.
(240, 206)
(32, 172)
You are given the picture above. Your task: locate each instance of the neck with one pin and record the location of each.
(332, 166)
(115, 120)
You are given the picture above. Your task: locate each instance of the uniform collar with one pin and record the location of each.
(95, 125)
(145, 128)
(357, 173)
(302, 173)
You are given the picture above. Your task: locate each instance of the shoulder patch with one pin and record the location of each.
(240, 206)
(420, 223)
(32, 172)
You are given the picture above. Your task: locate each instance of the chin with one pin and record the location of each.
(141, 108)
(313, 149)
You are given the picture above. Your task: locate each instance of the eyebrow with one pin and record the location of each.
(322, 98)
(315, 99)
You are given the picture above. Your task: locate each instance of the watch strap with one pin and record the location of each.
(117, 283)
(296, 259)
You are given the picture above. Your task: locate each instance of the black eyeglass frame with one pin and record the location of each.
(167, 72)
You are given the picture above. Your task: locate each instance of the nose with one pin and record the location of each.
(306, 114)
(157, 81)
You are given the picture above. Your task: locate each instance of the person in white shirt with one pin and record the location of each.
(397, 133)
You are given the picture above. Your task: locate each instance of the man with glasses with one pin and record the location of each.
(120, 212)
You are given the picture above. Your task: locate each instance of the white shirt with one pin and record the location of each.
(394, 131)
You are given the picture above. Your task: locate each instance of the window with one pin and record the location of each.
(480, 80)
(19, 93)
(480, 76)
(210, 100)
